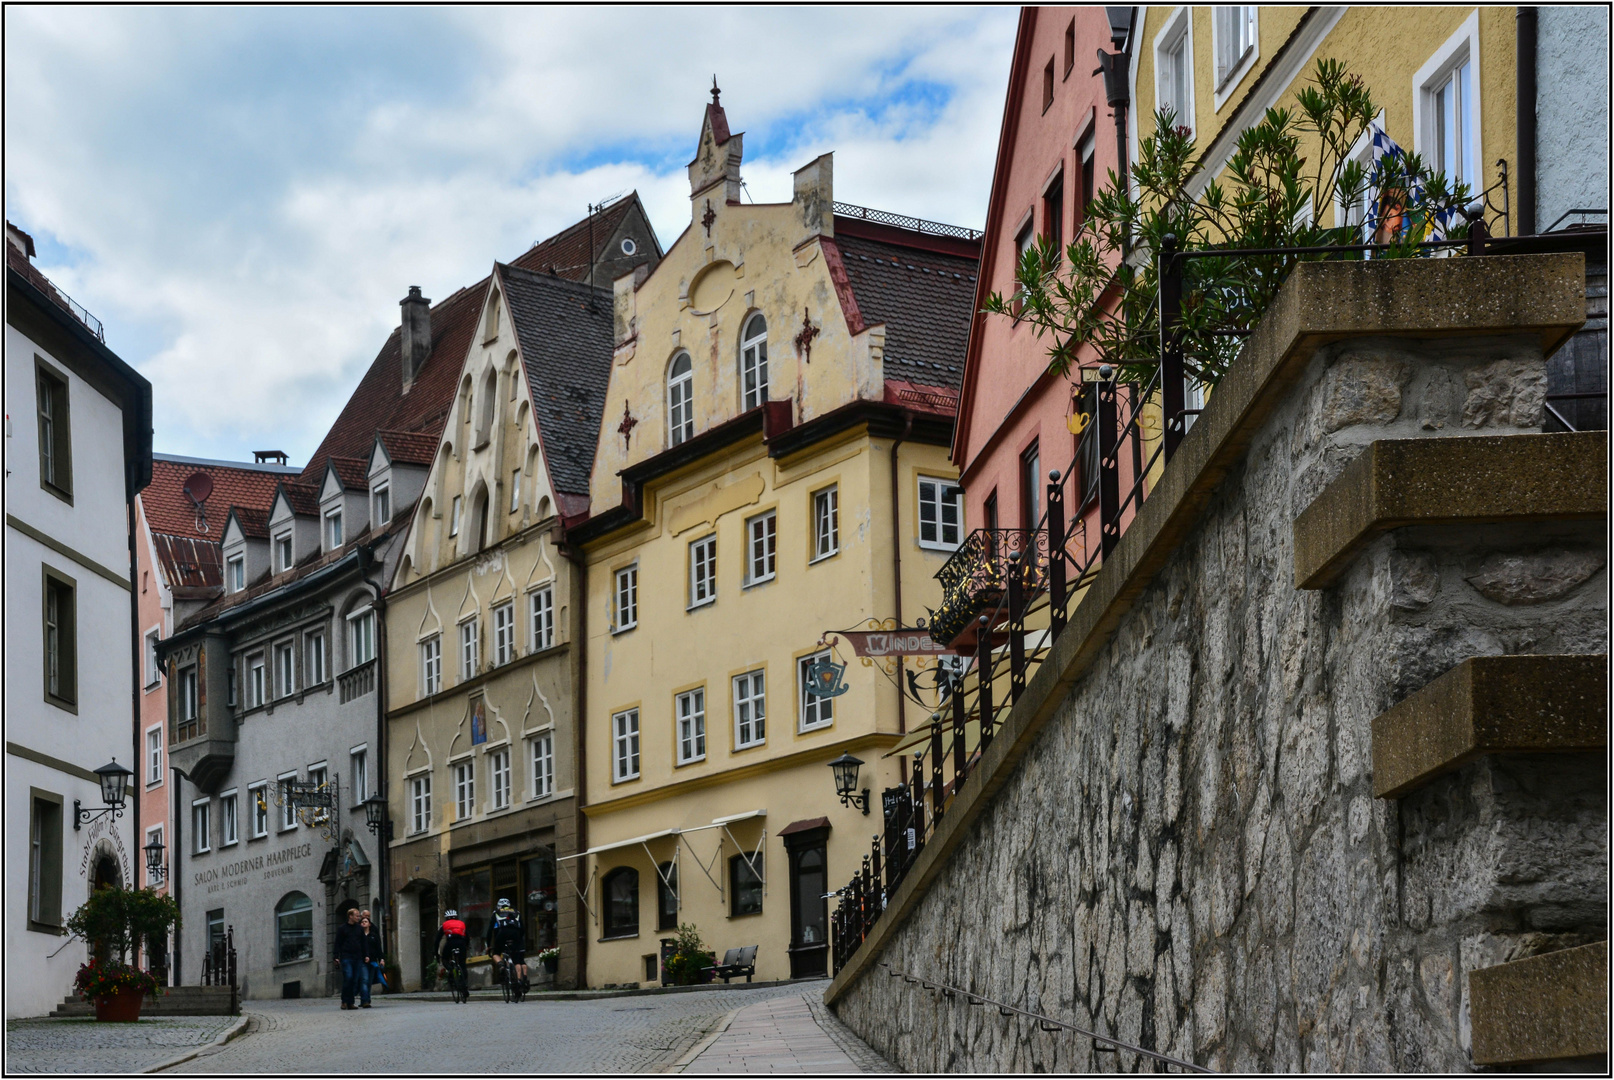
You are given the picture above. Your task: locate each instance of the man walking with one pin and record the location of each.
(350, 953)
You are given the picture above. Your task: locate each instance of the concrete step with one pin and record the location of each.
(1552, 1007)
(173, 1001)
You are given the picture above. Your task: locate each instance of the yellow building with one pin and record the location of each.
(772, 464)
(1444, 78)
(483, 618)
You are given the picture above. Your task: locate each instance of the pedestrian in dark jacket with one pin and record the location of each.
(350, 953)
(372, 958)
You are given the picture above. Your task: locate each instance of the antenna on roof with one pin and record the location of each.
(197, 487)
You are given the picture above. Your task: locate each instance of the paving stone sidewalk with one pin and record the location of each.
(81, 1045)
(796, 1034)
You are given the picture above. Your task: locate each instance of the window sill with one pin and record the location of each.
(293, 963)
(936, 545)
(229, 843)
(615, 630)
(65, 496)
(812, 729)
(46, 928)
(62, 703)
(744, 914)
(618, 937)
(625, 780)
(742, 747)
(697, 605)
(824, 557)
(260, 836)
(691, 761)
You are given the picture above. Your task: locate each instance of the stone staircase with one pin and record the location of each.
(173, 1001)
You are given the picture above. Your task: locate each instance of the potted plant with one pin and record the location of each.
(690, 958)
(550, 959)
(113, 921)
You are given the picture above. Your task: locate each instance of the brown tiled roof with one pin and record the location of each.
(302, 498)
(18, 261)
(925, 298)
(254, 523)
(378, 402)
(169, 510)
(354, 472)
(408, 447)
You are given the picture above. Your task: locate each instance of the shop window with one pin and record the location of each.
(621, 887)
(745, 885)
(539, 889)
(667, 896)
(294, 928)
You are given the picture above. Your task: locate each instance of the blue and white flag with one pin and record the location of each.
(1390, 170)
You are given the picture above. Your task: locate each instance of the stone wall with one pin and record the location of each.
(1189, 856)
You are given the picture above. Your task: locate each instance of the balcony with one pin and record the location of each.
(356, 682)
(975, 581)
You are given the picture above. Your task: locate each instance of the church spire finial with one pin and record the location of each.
(715, 91)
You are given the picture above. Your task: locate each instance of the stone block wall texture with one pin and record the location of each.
(1190, 857)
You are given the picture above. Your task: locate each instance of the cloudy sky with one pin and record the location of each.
(243, 195)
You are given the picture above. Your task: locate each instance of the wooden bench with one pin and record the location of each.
(741, 961)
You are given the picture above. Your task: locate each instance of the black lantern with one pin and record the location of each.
(154, 858)
(375, 813)
(114, 787)
(845, 768)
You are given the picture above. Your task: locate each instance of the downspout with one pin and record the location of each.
(1525, 118)
(579, 622)
(178, 840)
(383, 838)
(896, 569)
(135, 640)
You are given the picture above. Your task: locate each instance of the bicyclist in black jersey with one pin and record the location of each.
(507, 935)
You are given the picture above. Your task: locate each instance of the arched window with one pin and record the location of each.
(294, 928)
(488, 407)
(479, 519)
(754, 362)
(680, 400)
(622, 902)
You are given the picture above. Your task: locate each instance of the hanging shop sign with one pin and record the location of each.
(824, 679)
(903, 641)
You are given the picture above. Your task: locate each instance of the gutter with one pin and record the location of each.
(383, 872)
(896, 567)
(276, 595)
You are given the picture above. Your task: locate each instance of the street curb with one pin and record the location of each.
(224, 1036)
(596, 995)
(700, 1047)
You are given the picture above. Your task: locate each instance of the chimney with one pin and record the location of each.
(416, 336)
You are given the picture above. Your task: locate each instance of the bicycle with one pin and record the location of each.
(458, 986)
(513, 991)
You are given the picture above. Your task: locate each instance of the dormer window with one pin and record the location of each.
(383, 505)
(283, 551)
(238, 573)
(333, 530)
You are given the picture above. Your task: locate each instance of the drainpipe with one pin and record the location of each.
(135, 643)
(896, 569)
(1525, 118)
(174, 860)
(579, 620)
(383, 873)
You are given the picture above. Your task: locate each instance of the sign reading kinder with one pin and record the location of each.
(903, 641)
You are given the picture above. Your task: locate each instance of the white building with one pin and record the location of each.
(78, 448)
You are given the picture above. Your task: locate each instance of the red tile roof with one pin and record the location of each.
(169, 510)
(303, 498)
(408, 447)
(353, 472)
(254, 523)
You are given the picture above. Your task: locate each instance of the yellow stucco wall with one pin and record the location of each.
(1385, 46)
(769, 259)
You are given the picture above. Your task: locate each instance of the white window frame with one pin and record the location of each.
(464, 775)
(420, 803)
(938, 484)
(257, 680)
(358, 772)
(285, 654)
(237, 567)
(431, 665)
(470, 633)
(761, 547)
(1229, 80)
(689, 715)
(288, 813)
(283, 551)
(541, 617)
(229, 819)
(201, 826)
(259, 794)
(315, 663)
(754, 361)
(333, 529)
(381, 504)
(826, 509)
(504, 633)
(821, 710)
(1178, 27)
(1462, 46)
(751, 700)
(541, 756)
(154, 671)
(155, 751)
(624, 746)
(702, 571)
(364, 616)
(317, 775)
(454, 516)
(499, 775)
(515, 487)
(680, 401)
(625, 598)
(186, 705)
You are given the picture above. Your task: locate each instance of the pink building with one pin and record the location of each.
(1061, 138)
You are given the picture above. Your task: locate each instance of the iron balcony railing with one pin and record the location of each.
(902, 221)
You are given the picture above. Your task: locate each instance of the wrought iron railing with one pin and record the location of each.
(1004, 579)
(902, 221)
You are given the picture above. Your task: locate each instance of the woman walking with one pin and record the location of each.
(372, 959)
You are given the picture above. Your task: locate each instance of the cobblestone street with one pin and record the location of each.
(643, 1033)
(84, 1046)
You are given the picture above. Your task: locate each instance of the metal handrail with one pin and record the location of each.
(903, 221)
(1043, 1020)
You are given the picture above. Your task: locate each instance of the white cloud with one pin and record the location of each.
(242, 195)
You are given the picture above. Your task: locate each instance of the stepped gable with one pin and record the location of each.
(565, 333)
(189, 556)
(408, 447)
(924, 297)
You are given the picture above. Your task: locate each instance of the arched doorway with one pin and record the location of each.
(108, 874)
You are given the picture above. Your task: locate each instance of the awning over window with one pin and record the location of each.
(645, 839)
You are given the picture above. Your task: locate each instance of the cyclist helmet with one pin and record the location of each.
(504, 903)
(451, 914)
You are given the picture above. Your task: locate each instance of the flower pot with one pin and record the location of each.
(123, 1007)
(551, 965)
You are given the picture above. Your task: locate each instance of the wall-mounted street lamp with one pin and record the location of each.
(375, 815)
(155, 870)
(845, 768)
(114, 787)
